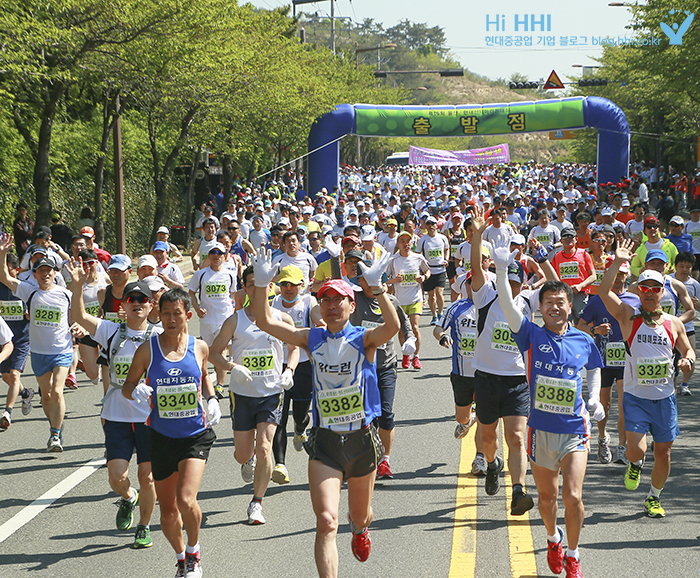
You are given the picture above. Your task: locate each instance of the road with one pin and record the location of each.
(432, 520)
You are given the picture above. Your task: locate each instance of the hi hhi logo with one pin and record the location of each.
(675, 32)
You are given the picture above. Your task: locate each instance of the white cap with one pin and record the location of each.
(154, 283)
(218, 247)
(368, 233)
(163, 230)
(677, 220)
(650, 275)
(149, 260)
(307, 210)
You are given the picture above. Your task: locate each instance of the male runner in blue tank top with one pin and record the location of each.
(343, 444)
(175, 364)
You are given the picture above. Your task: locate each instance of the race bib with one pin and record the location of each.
(695, 234)
(615, 354)
(568, 270)
(92, 308)
(177, 401)
(555, 395)
(453, 250)
(261, 362)
(668, 306)
(122, 364)
(370, 324)
(652, 370)
(114, 317)
(435, 254)
(544, 239)
(598, 276)
(47, 315)
(341, 406)
(12, 310)
(467, 343)
(216, 290)
(502, 338)
(409, 278)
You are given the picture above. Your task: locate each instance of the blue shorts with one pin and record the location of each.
(248, 412)
(122, 438)
(42, 364)
(657, 416)
(18, 357)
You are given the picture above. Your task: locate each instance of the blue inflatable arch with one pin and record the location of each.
(470, 120)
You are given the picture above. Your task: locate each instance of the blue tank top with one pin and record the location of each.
(237, 249)
(176, 403)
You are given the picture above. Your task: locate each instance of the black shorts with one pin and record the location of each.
(463, 389)
(302, 390)
(696, 265)
(610, 375)
(87, 340)
(437, 280)
(354, 453)
(167, 452)
(248, 412)
(500, 396)
(122, 438)
(102, 359)
(451, 270)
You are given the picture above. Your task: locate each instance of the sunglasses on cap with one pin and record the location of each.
(648, 289)
(137, 299)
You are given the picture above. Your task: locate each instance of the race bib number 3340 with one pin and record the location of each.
(177, 401)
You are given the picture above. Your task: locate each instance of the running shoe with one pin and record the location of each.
(71, 382)
(219, 391)
(125, 513)
(280, 475)
(573, 567)
(555, 553)
(632, 476)
(604, 453)
(620, 457)
(255, 515)
(299, 440)
(416, 363)
(434, 320)
(248, 470)
(384, 471)
(5, 420)
(406, 362)
(684, 389)
(193, 566)
(27, 401)
(180, 572)
(462, 429)
(653, 507)
(361, 545)
(479, 465)
(143, 537)
(521, 503)
(54, 445)
(493, 484)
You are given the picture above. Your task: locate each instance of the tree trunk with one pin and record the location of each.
(190, 196)
(108, 121)
(251, 167)
(227, 170)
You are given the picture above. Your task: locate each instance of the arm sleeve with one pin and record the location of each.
(505, 297)
(593, 382)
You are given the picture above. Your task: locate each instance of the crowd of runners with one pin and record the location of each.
(299, 297)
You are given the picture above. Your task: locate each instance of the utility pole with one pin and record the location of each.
(119, 181)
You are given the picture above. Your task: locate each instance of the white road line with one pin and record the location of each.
(42, 502)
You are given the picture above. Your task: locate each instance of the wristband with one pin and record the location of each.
(692, 363)
(380, 292)
(443, 340)
(212, 397)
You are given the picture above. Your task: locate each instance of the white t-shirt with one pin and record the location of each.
(387, 242)
(215, 291)
(693, 229)
(493, 234)
(6, 334)
(49, 324)
(408, 291)
(548, 235)
(434, 250)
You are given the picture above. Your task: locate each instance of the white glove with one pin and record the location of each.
(596, 409)
(331, 246)
(262, 265)
(142, 392)
(240, 374)
(409, 346)
(501, 255)
(286, 380)
(214, 411)
(373, 274)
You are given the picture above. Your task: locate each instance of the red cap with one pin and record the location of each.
(88, 232)
(339, 286)
(650, 219)
(352, 239)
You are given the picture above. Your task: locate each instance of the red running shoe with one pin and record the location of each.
(361, 545)
(555, 553)
(71, 382)
(417, 364)
(573, 567)
(406, 361)
(384, 471)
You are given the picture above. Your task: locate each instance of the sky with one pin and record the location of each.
(465, 25)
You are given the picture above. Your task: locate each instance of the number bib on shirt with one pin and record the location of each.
(261, 362)
(122, 363)
(599, 276)
(543, 238)
(695, 234)
(652, 370)
(555, 395)
(11, 310)
(568, 270)
(114, 317)
(615, 354)
(47, 315)
(409, 278)
(467, 343)
(502, 339)
(435, 254)
(370, 324)
(341, 406)
(668, 306)
(93, 308)
(177, 401)
(215, 290)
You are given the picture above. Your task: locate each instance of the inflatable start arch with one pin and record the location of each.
(470, 120)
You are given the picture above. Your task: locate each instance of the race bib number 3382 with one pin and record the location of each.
(341, 406)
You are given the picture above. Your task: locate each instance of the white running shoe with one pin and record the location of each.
(27, 402)
(54, 445)
(280, 475)
(299, 440)
(5, 420)
(255, 515)
(462, 429)
(248, 470)
(479, 466)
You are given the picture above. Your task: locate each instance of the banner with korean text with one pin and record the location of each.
(487, 156)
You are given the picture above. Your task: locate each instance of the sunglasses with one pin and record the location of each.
(137, 299)
(90, 262)
(651, 227)
(600, 241)
(288, 284)
(337, 300)
(217, 253)
(647, 289)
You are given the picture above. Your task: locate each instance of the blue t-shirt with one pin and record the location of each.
(555, 371)
(683, 242)
(596, 313)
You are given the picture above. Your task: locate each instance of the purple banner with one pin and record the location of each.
(488, 156)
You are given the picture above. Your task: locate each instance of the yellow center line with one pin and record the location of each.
(463, 560)
(522, 551)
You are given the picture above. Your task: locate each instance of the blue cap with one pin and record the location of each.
(121, 262)
(590, 198)
(656, 254)
(160, 246)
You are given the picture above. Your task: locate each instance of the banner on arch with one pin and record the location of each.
(434, 157)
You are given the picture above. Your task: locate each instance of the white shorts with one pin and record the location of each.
(548, 449)
(209, 332)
